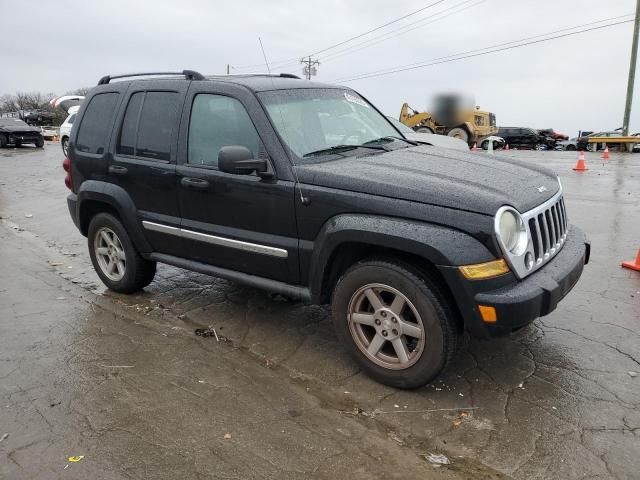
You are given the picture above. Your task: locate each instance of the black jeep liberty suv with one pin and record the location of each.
(307, 190)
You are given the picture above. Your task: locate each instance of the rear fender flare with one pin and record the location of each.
(117, 198)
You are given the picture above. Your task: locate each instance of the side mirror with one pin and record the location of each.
(239, 160)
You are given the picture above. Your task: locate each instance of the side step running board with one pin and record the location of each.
(291, 291)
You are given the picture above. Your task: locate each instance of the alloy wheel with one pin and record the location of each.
(110, 254)
(386, 326)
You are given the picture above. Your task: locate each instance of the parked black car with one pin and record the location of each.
(14, 131)
(526, 138)
(39, 118)
(307, 190)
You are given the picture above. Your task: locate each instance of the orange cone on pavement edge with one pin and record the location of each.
(633, 265)
(580, 167)
(506, 147)
(475, 147)
(605, 155)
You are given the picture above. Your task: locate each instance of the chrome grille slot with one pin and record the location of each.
(536, 238)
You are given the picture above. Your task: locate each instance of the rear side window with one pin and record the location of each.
(71, 119)
(149, 124)
(96, 123)
(218, 121)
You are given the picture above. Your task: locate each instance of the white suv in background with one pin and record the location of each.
(65, 128)
(71, 105)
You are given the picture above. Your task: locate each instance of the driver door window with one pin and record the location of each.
(218, 121)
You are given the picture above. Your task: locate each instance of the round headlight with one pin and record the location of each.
(513, 232)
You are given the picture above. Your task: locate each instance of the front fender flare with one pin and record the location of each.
(437, 244)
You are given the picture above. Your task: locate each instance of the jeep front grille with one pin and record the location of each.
(548, 230)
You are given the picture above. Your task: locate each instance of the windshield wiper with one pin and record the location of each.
(342, 148)
(389, 138)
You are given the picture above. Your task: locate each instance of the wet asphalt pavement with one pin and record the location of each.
(123, 381)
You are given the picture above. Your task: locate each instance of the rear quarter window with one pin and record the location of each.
(96, 123)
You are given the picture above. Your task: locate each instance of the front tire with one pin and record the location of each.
(424, 130)
(39, 143)
(460, 133)
(115, 258)
(3, 141)
(570, 148)
(396, 322)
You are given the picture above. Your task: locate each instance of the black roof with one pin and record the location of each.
(265, 82)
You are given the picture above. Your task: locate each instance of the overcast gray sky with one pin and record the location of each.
(568, 84)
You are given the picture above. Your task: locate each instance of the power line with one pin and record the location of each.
(367, 44)
(389, 35)
(287, 61)
(379, 28)
(471, 54)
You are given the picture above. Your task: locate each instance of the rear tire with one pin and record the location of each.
(39, 143)
(403, 338)
(570, 148)
(3, 141)
(65, 145)
(115, 258)
(485, 145)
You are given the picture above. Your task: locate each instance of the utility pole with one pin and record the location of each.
(310, 66)
(632, 72)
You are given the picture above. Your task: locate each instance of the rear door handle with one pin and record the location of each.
(195, 183)
(117, 170)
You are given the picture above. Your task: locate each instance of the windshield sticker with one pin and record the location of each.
(354, 99)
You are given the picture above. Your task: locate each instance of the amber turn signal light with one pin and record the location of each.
(488, 314)
(483, 271)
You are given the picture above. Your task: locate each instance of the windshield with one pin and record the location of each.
(312, 120)
(12, 122)
(399, 125)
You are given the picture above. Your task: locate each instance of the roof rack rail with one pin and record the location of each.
(255, 74)
(188, 75)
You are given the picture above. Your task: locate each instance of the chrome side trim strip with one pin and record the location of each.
(215, 240)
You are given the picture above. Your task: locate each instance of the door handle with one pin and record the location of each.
(117, 170)
(195, 183)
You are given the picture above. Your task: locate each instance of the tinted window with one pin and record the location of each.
(216, 122)
(149, 125)
(96, 123)
(158, 122)
(127, 143)
(71, 119)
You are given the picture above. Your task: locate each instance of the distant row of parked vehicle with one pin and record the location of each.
(529, 138)
(582, 141)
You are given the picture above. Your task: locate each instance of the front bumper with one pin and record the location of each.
(518, 303)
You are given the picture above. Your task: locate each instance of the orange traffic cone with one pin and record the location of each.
(506, 147)
(475, 147)
(605, 155)
(633, 265)
(580, 167)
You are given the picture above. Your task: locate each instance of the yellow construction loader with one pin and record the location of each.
(469, 125)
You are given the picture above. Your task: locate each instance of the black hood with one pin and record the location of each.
(475, 182)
